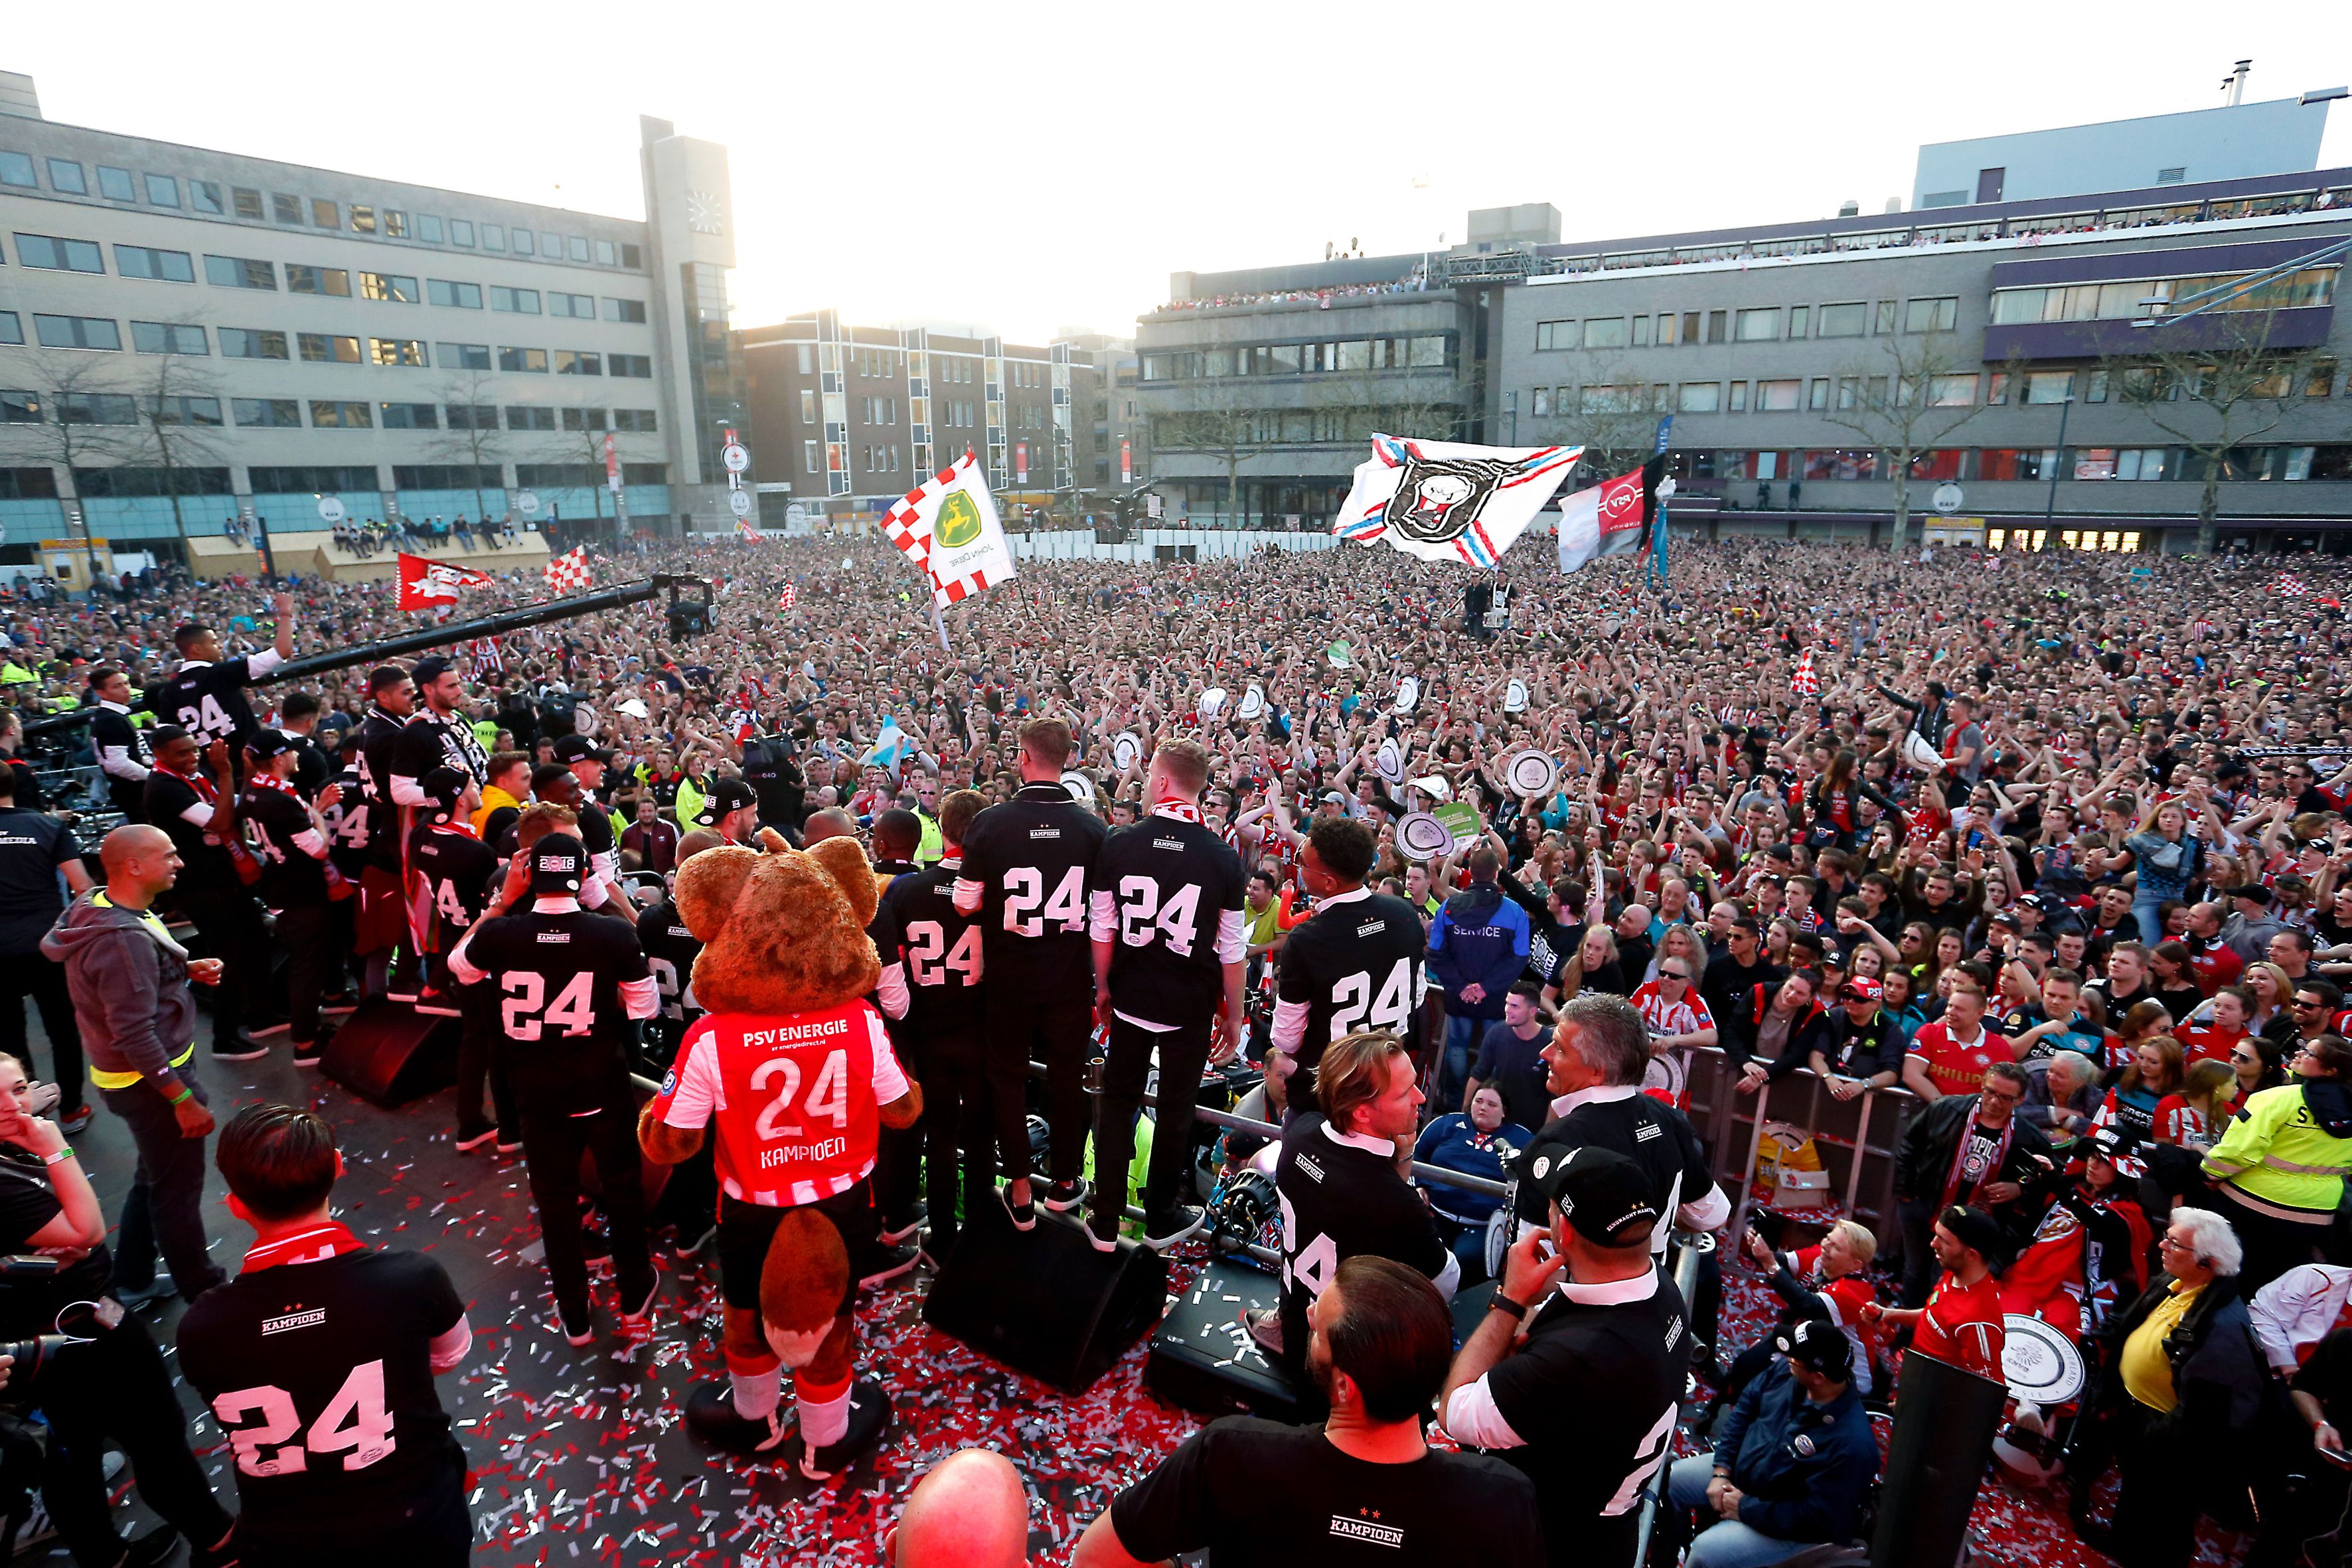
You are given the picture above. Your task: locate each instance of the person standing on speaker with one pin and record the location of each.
(1355, 963)
(1025, 872)
(1260, 1491)
(383, 921)
(1340, 1181)
(206, 695)
(568, 982)
(118, 744)
(1166, 896)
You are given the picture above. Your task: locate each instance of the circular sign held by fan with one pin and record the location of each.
(584, 720)
(1390, 761)
(1081, 788)
(1421, 837)
(1515, 696)
(1127, 751)
(1530, 773)
(1408, 693)
(1213, 701)
(1252, 703)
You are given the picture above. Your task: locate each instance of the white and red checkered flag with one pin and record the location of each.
(2290, 586)
(1805, 683)
(568, 573)
(788, 598)
(948, 525)
(429, 584)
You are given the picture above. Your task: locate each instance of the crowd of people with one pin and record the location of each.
(2053, 856)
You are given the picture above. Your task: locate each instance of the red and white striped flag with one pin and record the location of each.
(2290, 586)
(487, 656)
(948, 525)
(1805, 683)
(788, 598)
(568, 573)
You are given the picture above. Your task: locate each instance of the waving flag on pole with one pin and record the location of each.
(429, 584)
(569, 573)
(789, 597)
(1443, 500)
(748, 531)
(948, 525)
(1613, 518)
(1805, 683)
(2290, 586)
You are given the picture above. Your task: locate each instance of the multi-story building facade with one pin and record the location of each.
(847, 419)
(188, 335)
(1992, 344)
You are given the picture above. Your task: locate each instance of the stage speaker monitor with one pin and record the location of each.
(389, 1054)
(1943, 1434)
(1044, 1301)
(1203, 1361)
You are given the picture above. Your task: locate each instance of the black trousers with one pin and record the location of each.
(477, 1063)
(1021, 1017)
(164, 1208)
(2164, 1491)
(2272, 1246)
(1126, 1067)
(552, 1144)
(1917, 1216)
(42, 979)
(898, 1151)
(957, 1135)
(228, 927)
(308, 939)
(437, 1532)
(116, 1387)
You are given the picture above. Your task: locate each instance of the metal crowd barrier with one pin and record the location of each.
(1691, 1250)
(1856, 1139)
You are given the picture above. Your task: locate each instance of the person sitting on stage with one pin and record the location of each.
(1829, 1281)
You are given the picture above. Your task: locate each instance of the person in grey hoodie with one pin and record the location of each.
(129, 985)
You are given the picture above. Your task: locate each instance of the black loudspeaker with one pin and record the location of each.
(389, 1054)
(1203, 1361)
(1943, 1434)
(1044, 1301)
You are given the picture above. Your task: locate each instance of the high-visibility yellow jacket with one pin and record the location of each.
(2278, 1156)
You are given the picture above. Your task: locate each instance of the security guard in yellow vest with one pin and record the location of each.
(2282, 1162)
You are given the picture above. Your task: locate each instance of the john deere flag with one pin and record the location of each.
(1613, 518)
(1442, 500)
(948, 525)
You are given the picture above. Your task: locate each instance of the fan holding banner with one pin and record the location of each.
(429, 584)
(948, 525)
(1444, 500)
(1613, 518)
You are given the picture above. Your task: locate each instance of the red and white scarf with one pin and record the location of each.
(312, 1244)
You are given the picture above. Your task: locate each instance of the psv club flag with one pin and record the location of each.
(1446, 500)
(569, 573)
(1613, 518)
(948, 525)
(1804, 682)
(428, 585)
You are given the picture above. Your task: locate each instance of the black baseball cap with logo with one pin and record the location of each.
(1602, 1195)
(581, 749)
(557, 864)
(726, 796)
(268, 743)
(445, 786)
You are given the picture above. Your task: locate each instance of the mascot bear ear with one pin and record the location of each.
(708, 885)
(843, 859)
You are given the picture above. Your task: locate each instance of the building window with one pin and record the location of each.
(521, 237)
(640, 366)
(1843, 320)
(321, 347)
(583, 419)
(65, 177)
(625, 310)
(808, 405)
(575, 361)
(1605, 333)
(363, 219)
(157, 265)
(395, 224)
(1778, 397)
(1540, 403)
(325, 214)
(1551, 335)
(1718, 324)
(471, 416)
(605, 256)
(2048, 385)
(577, 248)
(390, 287)
(463, 356)
(1640, 331)
(97, 408)
(523, 416)
(532, 360)
(494, 237)
(629, 255)
(1817, 394)
(12, 328)
(396, 352)
(115, 184)
(1736, 401)
(19, 406)
(301, 280)
(461, 231)
(463, 296)
(810, 461)
(1700, 397)
(1885, 317)
(517, 301)
(330, 415)
(581, 306)
(16, 169)
(429, 229)
(1760, 326)
(266, 413)
(204, 411)
(162, 191)
(240, 272)
(1937, 315)
(636, 421)
(409, 415)
(285, 209)
(1840, 464)
(76, 333)
(248, 204)
(54, 254)
(251, 343)
(1797, 317)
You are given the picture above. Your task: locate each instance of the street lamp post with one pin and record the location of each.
(2066, 408)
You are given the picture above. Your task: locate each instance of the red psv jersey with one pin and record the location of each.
(794, 1096)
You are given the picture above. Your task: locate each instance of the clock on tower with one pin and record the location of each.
(702, 212)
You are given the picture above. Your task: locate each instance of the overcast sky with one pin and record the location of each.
(1044, 165)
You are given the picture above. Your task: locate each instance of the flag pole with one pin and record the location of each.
(939, 624)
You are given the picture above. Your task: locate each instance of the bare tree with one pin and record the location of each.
(1904, 402)
(470, 433)
(2213, 399)
(1611, 412)
(89, 416)
(179, 404)
(587, 446)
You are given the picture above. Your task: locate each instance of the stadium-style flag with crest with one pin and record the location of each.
(429, 584)
(1805, 683)
(1613, 518)
(1444, 500)
(569, 573)
(948, 525)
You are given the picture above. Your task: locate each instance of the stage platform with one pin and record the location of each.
(313, 552)
(582, 1457)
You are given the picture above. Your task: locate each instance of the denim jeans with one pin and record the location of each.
(1461, 1038)
(2149, 909)
(1726, 1542)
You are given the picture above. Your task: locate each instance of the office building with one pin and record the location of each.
(188, 334)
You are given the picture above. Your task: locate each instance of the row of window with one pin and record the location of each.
(101, 333)
(1995, 464)
(53, 253)
(92, 484)
(1768, 323)
(68, 177)
(1824, 394)
(1353, 354)
(2132, 299)
(25, 407)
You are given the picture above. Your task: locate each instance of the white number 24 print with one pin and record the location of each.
(355, 1419)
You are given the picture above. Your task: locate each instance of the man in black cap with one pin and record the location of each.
(437, 736)
(1791, 1463)
(588, 762)
(382, 918)
(456, 875)
(567, 982)
(1585, 1404)
(290, 837)
(730, 810)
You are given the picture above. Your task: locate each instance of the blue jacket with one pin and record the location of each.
(1452, 1142)
(1479, 937)
(1803, 1468)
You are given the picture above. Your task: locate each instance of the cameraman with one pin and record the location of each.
(111, 1386)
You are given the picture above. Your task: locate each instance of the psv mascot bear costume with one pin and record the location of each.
(792, 1067)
